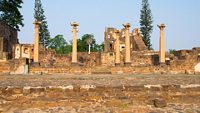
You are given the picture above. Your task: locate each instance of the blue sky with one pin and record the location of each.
(182, 19)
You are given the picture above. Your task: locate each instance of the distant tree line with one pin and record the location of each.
(61, 46)
(10, 13)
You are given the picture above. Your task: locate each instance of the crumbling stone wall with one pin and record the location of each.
(185, 60)
(137, 44)
(50, 59)
(144, 58)
(8, 39)
(101, 98)
(13, 66)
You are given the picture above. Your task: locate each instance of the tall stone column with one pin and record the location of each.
(127, 44)
(74, 44)
(162, 44)
(105, 41)
(117, 48)
(36, 42)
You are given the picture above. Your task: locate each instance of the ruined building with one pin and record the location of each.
(8, 39)
(124, 53)
(137, 44)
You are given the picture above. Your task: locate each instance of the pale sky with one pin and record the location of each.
(181, 17)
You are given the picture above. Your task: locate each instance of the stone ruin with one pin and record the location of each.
(8, 38)
(124, 53)
(137, 44)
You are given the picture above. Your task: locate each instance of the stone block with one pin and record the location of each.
(37, 91)
(159, 103)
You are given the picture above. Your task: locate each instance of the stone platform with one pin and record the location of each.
(99, 93)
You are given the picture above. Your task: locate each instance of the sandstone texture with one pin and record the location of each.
(100, 93)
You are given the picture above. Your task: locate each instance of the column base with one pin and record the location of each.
(162, 64)
(117, 64)
(127, 64)
(35, 64)
(74, 64)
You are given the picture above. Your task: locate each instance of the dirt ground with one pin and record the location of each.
(113, 93)
(99, 80)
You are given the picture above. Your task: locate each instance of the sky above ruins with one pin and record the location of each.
(181, 18)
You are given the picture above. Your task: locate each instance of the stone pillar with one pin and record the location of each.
(74, 44)
(105, 41)
(162, 44)
(1, 44)
(127, 44)
(36, 42)
(117, 48)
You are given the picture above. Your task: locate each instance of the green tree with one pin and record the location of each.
(146, 21)
(172, 51)
(10, 14)
(59, 44)
(82, 45)
(39, 15)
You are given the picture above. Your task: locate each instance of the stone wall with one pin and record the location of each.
(108, 58)
(8, 39)
(92, 98)
(143, 62)
(51, 59)
(63, 70)
(144, 58)
(138, 58)
(13, 66)
(24, 51)
(185, 60)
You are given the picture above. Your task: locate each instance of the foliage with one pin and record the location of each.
(146, 21)
(10, 14)
(82, 45)
(59, 44)
(39, 15)
(172, 51)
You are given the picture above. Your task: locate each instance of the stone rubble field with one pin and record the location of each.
(99, 93)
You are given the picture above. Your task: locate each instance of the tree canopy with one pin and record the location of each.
(146, 21)
(83, 46)
(10, 14)
(59, 44)
(39, 16)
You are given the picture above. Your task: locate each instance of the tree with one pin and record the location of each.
(10, 14)
(59, 44)
(146, 21)
(82, 44)
(172, 51)
(39, 15)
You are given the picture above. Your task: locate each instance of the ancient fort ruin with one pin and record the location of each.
(124, 53)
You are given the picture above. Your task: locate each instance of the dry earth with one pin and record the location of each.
(100, 93)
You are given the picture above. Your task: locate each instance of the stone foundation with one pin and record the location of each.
(91, 98)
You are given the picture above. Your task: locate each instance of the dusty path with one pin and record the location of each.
(100, 80)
